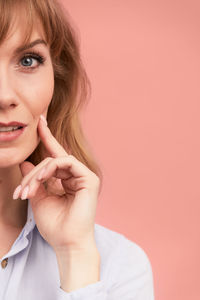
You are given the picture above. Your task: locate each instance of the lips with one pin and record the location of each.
(11, 135)
(13, 123)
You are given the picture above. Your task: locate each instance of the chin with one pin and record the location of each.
(13, 156)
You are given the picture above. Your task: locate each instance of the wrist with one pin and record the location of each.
(76, 248)
(78, 267)
(66, 254)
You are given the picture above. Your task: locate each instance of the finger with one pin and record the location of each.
(29, 171)
(61, 167)
(32, 180)
(36, 190)
(24, 192)
(49, 141)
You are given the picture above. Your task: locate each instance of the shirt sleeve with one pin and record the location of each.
(130, 278)
(94, 291)
(134, 280)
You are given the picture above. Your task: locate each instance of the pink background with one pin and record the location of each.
(143, 59)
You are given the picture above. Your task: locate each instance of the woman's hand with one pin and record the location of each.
(65, 221)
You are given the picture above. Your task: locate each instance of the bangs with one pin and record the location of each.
(48, 15)
(25, 12)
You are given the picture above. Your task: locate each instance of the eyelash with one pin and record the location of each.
(36, 55)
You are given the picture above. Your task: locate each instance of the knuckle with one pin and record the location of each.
(45, 162)
(48, 158)
(71, 157)
(96, 180)
(76, 183)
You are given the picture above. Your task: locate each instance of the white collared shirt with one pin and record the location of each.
(29, 270)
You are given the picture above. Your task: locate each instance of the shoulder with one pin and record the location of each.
(115, 243)
(125, 267)
(124, 263)
(112, 246)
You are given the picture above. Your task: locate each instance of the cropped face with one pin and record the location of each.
(26, 90)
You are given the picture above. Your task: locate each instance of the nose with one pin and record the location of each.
(7, 94)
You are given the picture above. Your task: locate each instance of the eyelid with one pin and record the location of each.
(34, 54)
(31, 50)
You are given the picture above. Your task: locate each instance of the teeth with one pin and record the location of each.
(12, 128)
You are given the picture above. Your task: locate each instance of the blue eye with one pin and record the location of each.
(27, 61)
(29, 58)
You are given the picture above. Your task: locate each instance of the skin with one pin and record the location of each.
(66, 222)
(24, 95)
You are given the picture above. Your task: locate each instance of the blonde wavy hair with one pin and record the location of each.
(72, 87)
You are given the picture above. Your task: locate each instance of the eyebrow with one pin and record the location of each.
(31, 45)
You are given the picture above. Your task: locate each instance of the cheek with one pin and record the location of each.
(39, 96)
(42, 96)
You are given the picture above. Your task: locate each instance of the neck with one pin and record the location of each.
(12, 212)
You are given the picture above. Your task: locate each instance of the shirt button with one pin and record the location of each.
(4, 263)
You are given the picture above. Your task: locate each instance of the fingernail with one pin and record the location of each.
(16, 192)
(25, 192)
(43, 119)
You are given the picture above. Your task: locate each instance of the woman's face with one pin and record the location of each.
(26, 90)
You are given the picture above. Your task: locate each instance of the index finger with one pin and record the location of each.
(50, 142)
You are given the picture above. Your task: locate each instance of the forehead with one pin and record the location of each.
(21, 30)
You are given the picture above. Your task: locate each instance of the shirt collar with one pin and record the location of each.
(22, 241)
(30, 223)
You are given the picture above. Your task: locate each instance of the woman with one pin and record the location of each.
(50, 246)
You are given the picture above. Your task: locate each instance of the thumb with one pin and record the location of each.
(26, 167)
